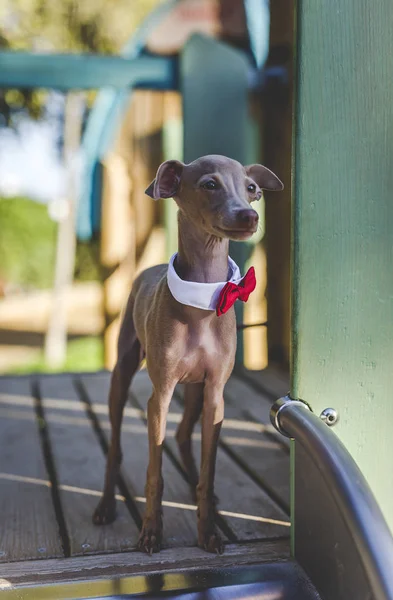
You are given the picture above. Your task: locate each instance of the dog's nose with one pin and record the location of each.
(247, 217)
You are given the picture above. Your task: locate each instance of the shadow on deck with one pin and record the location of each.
(54, 436)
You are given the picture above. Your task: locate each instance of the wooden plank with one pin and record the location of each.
(343, 223)
(272, 381)
(240, 393)
(276, 130)
(179, 520)
(247, 509)
(255, 403)
(266, 459)
(80, 465)
(172, 145)
(117, 248)
(116, 566)
(28, 525)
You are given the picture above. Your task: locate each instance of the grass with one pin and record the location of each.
(27, 261)
(83, 354)
(27, 243)
(28, 246)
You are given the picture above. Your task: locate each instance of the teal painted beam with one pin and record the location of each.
(85, 71)
(343, 227)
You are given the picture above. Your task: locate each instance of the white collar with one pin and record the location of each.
(199, 295)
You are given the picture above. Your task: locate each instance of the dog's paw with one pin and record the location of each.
(210, 541)
(150, 537)
(149, 542)
(105, 512)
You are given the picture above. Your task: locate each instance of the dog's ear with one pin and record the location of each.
(167, 181)
(265, 178)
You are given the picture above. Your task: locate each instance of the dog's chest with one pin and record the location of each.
(204, 353)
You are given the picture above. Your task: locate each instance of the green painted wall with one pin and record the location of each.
(343, 226)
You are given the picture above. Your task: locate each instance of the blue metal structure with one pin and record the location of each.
(117, 77)
(103, 122)
(258, 25)
(67, 72)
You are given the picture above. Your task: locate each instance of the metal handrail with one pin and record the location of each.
(349, 488)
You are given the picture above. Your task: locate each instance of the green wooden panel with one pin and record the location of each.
(84, 71)
(343, 226)
(214, 84)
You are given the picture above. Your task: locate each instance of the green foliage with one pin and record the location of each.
(72, 25)
(83, 354)
(87, 261)
(28, 245)
(64, 26)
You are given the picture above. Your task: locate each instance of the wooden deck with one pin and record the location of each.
(54, 433)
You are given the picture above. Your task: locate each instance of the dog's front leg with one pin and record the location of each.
(193, 405)
(212, 417)
(157, 410)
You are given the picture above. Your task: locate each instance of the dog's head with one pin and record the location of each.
(215, 193)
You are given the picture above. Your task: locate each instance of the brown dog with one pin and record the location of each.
(183, 339)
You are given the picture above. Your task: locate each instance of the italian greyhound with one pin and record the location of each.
(180, 317)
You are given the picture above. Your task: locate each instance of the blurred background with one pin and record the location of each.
(75, 224)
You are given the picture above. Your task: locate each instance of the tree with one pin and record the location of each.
(101, 26)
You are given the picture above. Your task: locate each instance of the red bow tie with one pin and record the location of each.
(236, 291)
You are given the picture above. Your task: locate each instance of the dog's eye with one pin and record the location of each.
(210, 185)
(252, 188)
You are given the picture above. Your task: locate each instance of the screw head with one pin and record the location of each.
(329, 416)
